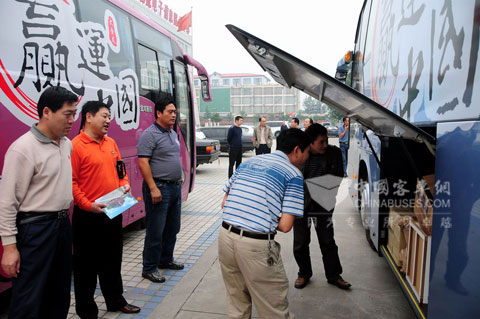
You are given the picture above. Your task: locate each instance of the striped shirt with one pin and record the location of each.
(260, 190)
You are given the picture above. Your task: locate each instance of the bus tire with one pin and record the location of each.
(363, 199)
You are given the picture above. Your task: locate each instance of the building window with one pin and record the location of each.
(236, 82)
(247, 91)
(257, 100)
(236, 91)
(268, 91)
(289, 109)
(247, 81)
(196, 82)
(257, 91)
(248, 109)
(289, 99)
(278, 90)
(215, 82)
(246, 100)
(268, 109)
(236, 100)
(257, 81)
(268, 99)
(278, 99)
(226, 82)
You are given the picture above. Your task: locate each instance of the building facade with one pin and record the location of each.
(247, 94)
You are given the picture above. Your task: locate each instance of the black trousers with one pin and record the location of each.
(301, 250)
(97, 251)
(234, 158)
(42, 289)
(262, 149)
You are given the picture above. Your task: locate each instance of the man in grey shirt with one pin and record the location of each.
(35, 194)
(159, 162)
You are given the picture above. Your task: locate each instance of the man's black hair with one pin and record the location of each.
(288, 139)
(310, 120)
(296, 120)
(162, 104)
(344, 118)
(91, 107)
(54, 97)
(238, 117)
(315, 130)
(260, 118)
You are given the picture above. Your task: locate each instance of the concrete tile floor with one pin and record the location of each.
(199, 228)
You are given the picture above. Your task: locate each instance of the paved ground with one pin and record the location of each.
(197, 292)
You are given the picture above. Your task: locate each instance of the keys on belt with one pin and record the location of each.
(28, 218)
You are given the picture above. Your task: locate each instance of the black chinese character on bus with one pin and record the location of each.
(93, 56)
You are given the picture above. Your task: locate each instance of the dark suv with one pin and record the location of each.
(220, 133)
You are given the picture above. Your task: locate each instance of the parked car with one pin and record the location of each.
(220, 133)
(208, 151)
(275, 125)
(332, 131)
(326, 124)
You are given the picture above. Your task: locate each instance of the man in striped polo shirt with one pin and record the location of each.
(264, 195)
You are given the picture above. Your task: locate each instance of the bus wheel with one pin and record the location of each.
(364, 203)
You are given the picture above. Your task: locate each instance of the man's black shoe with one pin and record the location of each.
(153, 277)
(340, 283)
(171, 265)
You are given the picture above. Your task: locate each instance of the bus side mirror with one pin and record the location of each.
(205, 88)
(343, 67)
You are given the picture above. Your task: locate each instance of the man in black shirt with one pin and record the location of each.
(234, 139)
(324, 159)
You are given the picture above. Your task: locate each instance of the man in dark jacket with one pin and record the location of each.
(234, 139)
(324, 160)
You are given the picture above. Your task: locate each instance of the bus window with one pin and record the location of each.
(95, 11)
(149, 77)
(165, 73)
(153, 38)
(182, 100)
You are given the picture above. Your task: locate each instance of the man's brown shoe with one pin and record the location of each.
(340, 283)
(129, 308)
(301, 282)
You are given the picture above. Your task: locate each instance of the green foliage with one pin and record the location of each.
(311, 105)
(207, 115)
(216, 117)
(334, 116)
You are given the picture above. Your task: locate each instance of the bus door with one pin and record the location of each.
(185, 126)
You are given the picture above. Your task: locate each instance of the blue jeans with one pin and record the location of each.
(344, 149)
(163, 225)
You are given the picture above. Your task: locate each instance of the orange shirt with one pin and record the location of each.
(94, 169)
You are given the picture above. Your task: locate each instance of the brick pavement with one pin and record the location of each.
(199, 229)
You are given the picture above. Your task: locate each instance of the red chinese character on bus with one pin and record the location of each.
(111, 31)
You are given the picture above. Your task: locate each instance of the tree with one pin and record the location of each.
(216, 117)
(311, 105)
(334, 116)
(207, 115)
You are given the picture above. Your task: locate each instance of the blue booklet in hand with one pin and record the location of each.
(117, 202)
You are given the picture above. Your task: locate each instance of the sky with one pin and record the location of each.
(319, 32)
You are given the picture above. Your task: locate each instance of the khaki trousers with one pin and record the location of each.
(247, 276)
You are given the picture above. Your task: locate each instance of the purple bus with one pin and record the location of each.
(100, 50)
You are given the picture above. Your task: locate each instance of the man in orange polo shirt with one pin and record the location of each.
(97, 239)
